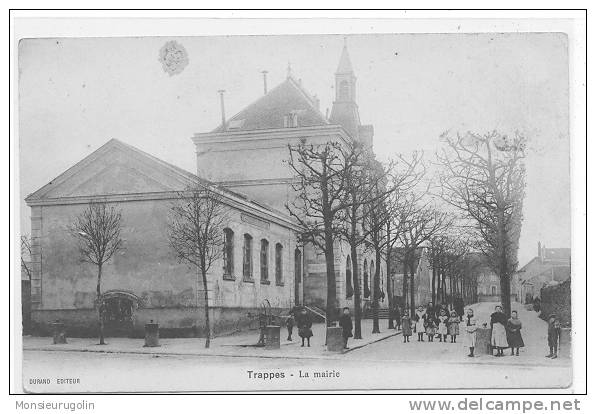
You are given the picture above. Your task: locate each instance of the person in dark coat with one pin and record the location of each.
(406, 326)
(290, 322)
(397, 316)
(514, 337)
(304, 324)
(458, 306)
(346, 324)
(554, 334)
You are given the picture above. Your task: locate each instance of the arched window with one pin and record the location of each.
(298, 265)
(264, 261)
(366, 285)
(228, 253)
(279, 264)
(247, 258)
(349, 288)
(344, 91)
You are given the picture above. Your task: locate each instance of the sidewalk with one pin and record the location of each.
(237, 345)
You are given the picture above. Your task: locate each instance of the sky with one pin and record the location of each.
(76, 94)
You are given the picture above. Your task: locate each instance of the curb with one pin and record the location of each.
(332, 356)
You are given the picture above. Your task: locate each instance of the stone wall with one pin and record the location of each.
(173, 322)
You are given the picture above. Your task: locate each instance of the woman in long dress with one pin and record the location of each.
(470, 338)
(498, 321)
(514, 337)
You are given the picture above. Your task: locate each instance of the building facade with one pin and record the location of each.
(263, 264)
(550, 267)
(145, 281)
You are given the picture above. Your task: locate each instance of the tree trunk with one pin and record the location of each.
(434, 286)
(389, 286)
(330, 266)
(100, 306)
(505, 294)
(412, 290)
(206, 308)
(405, 284)
(357, 298)
(376, 291)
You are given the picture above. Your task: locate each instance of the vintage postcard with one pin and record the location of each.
(296, 212)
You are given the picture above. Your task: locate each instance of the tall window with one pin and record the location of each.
(279, 264)
(349, 288)
(228, 253)
(298, 265)
(264, 261)
(247, 257)
(366, 285)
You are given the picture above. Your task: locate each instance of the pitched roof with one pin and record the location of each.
(268, 112)
(559, 254)
(117, 168)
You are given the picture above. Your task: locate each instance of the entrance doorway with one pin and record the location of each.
(119, 313)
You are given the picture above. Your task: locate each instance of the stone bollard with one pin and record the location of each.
(59, 331)
(335, 339)
(151, 334)
(565, 343)
(272, 333)
(483, 341)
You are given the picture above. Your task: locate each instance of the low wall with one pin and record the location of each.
(173, 322)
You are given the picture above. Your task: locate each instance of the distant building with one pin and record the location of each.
(550, 267)
(422, 278)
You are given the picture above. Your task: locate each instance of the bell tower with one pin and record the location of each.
(344, 111)
(345, 80)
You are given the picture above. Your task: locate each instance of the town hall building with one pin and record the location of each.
(264, 263)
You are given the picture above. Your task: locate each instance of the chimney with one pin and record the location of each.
(327, 113)
(264, 82)
(539, 250)
(223, 110)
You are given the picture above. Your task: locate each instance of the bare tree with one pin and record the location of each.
(26, 253)
(406, 174)
(366, 191)
(97, 231)
(484, 177)
(196, 225)
(321, 194)
(419, 222)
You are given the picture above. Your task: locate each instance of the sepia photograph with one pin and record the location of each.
(296, 212)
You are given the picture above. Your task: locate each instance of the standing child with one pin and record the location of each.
(470, 338)
(406, 326)
(514, 337)
(430, 325)
(290, 322)
(304, 324)
(554, 334)
(453, 326)
(443, 326)
(419, 318)
(346, 324)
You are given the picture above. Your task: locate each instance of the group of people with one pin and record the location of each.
(434, 322)
(438, 323)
